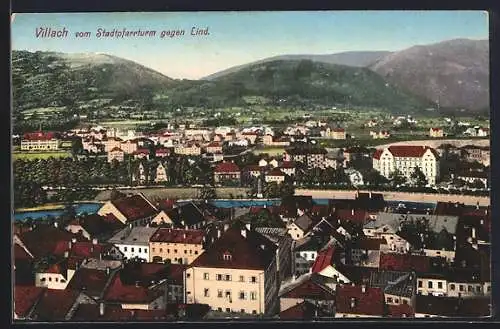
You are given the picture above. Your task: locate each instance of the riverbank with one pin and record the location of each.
(397, 196)
(53, 206)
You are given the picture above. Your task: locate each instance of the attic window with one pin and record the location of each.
(227, 256)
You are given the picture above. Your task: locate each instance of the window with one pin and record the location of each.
(175, 251)
(242, 295)
(488, 289)
(185, 251)
(478, 288)
(242, 278)
(196, 252)
(461, 287)
(228, 293)
(253, 295)
(253, 279)
(132, 249)
(206, 276)
(429, 284)
(420, 283)
(242, 310)
(396, 301)
(452, 286)
(124, 248)
(42, 280)
(226, 256)
(228, 310)
(254, 312)
(154, 249)
(50, 279)
(405, 302)
(219, 293)
(219, 277)
(469, 288)
(219, 309)
(161, 249)
(440, 285)
(188, 275)
(206, 292)
(228, 277)
(389, 299)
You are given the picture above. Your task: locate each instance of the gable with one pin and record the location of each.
(109, 208)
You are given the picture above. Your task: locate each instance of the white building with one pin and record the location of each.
(405, 158)
(134, 241)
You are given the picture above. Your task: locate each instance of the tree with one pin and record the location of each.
(397, 178)
(418, 177)
(207, 193)
(374, 178)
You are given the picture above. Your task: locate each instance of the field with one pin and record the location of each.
(176, 193)
(272, 151)
(39, 155)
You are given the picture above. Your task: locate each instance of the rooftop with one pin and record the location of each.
(360, 300)
(136, 235)
(167, 235)
(135, 207)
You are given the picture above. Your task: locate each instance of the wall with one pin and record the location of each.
(126, 249)
(196, 285)
(186, 252)
(425, 289)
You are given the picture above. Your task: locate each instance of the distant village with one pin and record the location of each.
(302, 161)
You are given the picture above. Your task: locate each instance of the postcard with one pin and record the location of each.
(192, 166)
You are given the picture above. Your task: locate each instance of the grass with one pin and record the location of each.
(39, 155)
(271, 151)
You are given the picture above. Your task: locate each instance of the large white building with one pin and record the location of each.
(405, 158)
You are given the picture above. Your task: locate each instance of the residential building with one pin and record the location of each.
(40, 141)
(275, 175)
(116, 154)
(300, 227)
(133, 242)
(111, 143)
(227, 172)
(161, 173)
(283, 241)
(382, 134)
(129, 146)
(176, 245)
(55, 275)
(312, 157)
(355, 301)
(187, 149)
(237, 273)
(187, 216)
(436, 132)
(214, 147)
(405, 159)
(135, 210)
(452, 307)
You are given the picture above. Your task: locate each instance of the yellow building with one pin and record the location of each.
(436, 132)
(237, 273)
(176, 245)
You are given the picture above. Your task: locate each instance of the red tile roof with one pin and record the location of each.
(253, 168)
(168, 235)
(276, 172)
(118, 292)
(116, 149)
(134, 207)
(410, 151)
(356, 216)
(310, 289)
(214, 144)
(93, 281)
(436, 129)
(288, 165)
(162, 151)
(301, 311)
(45, 239)
(39, 135)
(227, 167)
(20, 253)
(370, 302)
(90, 312)
(142, 151)
(368, 243)
(401, 311)
(246, 253)
(323, 260)
(55, 304)
(25, 297)
(177, 274)
(166, 204)
(404, 262)
(377, 154)
(339, 130)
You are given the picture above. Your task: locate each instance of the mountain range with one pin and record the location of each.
(453, 74)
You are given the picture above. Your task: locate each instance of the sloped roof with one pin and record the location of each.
(168, 235)
(246, 253)
(90, 312)
(54, 305)
(92, 281)
(134, 207)
(304, 222)
(409, 151)
(308, 286)
(121, 293)
(301, 311)
(404, 262)
(401, 311)
(25, 297)
(370, 302)
(139, 235)
(453, 307)
(44, 239)
(323, 260)
(226, 167)
(188, 213)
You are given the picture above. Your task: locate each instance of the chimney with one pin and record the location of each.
(473, 232)
(248, 226)
(108, 270)
(244, 233)
(56, 224)
(481, 221)
(219, 233)
(101, 309)
(226, 227)
(363, 288)
(184, 236)
(263, 247)
(353, 302)
(352, 211)
(477, 205)
(73, 240)
(69, 245)
(66, 254)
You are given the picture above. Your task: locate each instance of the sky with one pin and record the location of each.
(237, 38)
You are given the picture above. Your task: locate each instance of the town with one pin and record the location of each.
(265, 251)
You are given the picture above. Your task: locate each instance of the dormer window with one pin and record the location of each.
(227, 256)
